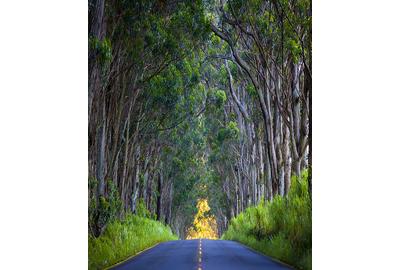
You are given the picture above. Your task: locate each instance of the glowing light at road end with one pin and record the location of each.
(204, 224)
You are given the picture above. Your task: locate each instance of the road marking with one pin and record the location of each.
(199, 256)
(130, 257)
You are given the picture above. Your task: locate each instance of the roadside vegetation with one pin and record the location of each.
(123, 239)
(124, 234)
(192, 100)
(280, 228)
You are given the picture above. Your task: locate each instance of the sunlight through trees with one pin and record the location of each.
(204, 224)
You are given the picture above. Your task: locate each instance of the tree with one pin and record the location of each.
(196, 99)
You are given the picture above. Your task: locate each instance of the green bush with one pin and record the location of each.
(280, 228)
(142, 211)
(122, 239)
(105, 209)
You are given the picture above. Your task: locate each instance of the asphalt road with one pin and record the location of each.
(213, 255)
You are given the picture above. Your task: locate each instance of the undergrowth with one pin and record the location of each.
(122, 239)
(280, 228)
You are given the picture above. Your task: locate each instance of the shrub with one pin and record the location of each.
(280, 228)
(122, 239)
(104, 210)
(142, 211)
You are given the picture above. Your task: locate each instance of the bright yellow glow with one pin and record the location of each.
(204, 225)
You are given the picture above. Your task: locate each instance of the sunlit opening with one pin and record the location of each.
(204, 224)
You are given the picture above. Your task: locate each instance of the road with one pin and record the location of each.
(200, 254)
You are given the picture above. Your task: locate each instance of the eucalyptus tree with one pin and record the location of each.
(196, 99)
(259, 73)
(270, 43)
(140, 57)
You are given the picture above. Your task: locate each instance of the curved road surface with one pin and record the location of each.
(200, 254)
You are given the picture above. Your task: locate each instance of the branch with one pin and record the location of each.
(235, 98)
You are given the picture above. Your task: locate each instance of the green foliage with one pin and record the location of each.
(142, 211)
(220, 98)
(114, 200)
(280, 228)
(105, 209)
(125, 238)
(284, 27)
(230, 132)
(164, 51)
(102, 49)
(251, 90)
(294, 48)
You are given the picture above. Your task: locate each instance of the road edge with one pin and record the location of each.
(131, 257)
(268, 256)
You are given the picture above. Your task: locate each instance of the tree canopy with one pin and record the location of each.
(196, 102)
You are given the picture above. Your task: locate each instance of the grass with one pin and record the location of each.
(123, 239)
(280, 228)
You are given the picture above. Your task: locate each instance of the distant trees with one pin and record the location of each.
(204, 225)
(195, 99)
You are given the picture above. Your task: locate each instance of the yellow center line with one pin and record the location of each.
(199, 268)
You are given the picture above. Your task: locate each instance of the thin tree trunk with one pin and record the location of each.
(159, 196)
(101, 154)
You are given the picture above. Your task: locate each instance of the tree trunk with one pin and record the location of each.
(101, 154)
(159, 196)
